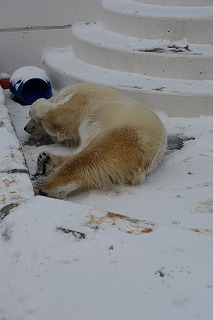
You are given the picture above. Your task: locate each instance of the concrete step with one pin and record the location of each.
(176, 97)
(158, 58)
(152, 21)
(15, 184)
(178, 2)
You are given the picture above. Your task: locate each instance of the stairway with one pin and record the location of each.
(157, 51)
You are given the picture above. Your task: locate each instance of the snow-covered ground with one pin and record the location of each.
(142, 252)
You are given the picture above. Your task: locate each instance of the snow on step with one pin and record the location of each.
(15, 184)
(178, 2)
(159, 22)
(150, 10)
(159, 58)
(48, 272)
(176, 97)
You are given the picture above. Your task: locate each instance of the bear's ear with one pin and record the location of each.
(62, 136)
(39, 108)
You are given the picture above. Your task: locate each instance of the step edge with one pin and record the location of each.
(137, 51)
(108, 7)
(196, 82)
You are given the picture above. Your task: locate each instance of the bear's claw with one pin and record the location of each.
(44, 163)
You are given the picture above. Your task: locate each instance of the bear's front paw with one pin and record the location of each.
(44, 163)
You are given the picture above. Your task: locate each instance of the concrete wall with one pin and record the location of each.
(28, 26)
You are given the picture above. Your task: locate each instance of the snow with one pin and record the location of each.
(134, 7)
(4, 76)
(15, 183)
(24, 74)
(109, 274)
(2, 98)
(142, 252)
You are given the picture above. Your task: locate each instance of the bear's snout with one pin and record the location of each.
(30, 127)
(29, 130)
(42, 193)
(35, 129)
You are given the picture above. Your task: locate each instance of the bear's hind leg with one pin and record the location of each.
(111, 159)
(59, 184)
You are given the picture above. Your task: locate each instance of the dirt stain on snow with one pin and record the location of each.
(200, 230)
(122, 223)
(205, 206)
(6, 209)
(77, 234)
(8, 182)
(3, 199)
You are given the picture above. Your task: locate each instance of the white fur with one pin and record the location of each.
(62, 192)
(88, 130)
(120, 139)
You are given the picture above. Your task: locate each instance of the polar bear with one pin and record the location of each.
(118, 140)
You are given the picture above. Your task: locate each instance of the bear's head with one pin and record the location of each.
(37, 111)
